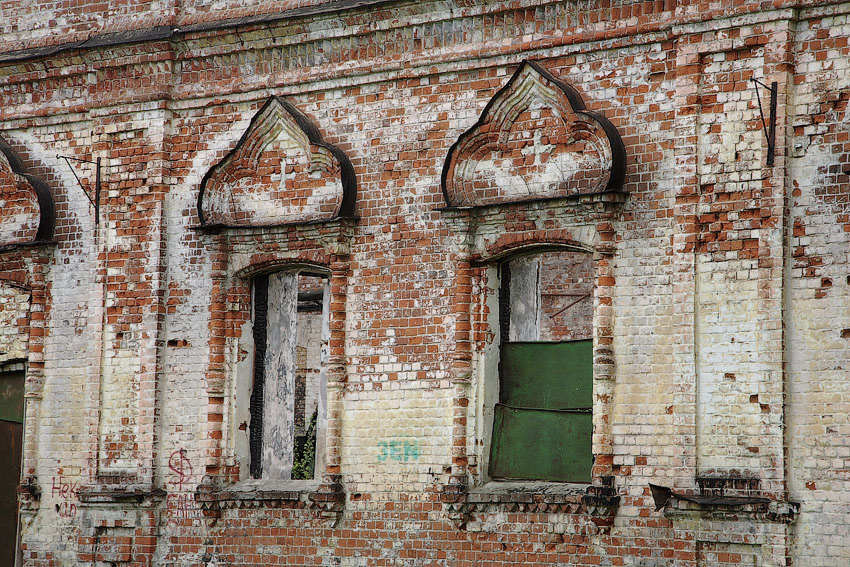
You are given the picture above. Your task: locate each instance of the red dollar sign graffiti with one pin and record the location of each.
(179, 464)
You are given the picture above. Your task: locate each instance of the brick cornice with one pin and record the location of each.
(412, 40)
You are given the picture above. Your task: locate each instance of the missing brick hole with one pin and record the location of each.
(178, 343)
(845, 333)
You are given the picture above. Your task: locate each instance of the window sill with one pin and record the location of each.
(258, 490)
(17, 246)
(326, 497)
(757, 508)
(106, 494)
(527, 492)
(536, 497)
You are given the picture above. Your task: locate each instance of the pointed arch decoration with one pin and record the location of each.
(27, 212)
(534, 140)
(280, 172)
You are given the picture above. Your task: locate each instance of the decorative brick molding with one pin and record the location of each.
(280, 172)
(241, 254)
(564, 207)
(725, 495)
(599, 503)
(325, 497)
(27, 214)
(535, 140)
(117, 525)
(24, 293)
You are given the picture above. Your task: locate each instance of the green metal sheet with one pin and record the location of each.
(541, 445)
(547, 375)
(12, 396)
(11, 441)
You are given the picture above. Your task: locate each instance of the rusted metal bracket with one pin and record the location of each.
(769, 129)
(96, 201)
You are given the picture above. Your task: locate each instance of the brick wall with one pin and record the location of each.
(719, 282)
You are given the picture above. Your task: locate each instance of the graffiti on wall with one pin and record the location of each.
(67, 492)
(181, 505)
(399, 450)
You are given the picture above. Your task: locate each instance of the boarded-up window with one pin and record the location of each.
(290, 328)
(542, 424)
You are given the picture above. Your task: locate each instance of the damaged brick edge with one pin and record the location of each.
(24, 245)
(44, 197)
(599, 502)
(122, 495)
(612, 197)
(215, 228)
(679, 504)
(166, 32)
(327, 497)
(29, 494)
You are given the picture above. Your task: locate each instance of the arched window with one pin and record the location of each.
(542, 421)
(287, 407)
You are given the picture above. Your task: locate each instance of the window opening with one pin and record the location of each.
(542, 425)
(290, 350)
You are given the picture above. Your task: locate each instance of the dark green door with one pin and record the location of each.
(11, 445)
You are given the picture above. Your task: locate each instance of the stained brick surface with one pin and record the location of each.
(719, 310)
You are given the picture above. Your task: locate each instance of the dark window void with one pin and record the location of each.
(287, 400)
(11, 439)
(542, 424)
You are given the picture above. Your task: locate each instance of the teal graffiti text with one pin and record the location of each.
(398, 450)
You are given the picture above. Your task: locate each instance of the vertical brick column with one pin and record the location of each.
(131, 143)
(684, 240)
(220, 328)
(336, 371)
(604, 369)
(461, 370)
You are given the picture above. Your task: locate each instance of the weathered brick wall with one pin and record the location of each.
(38, 23)
(719, 313)
(19, 206)
(14, 314)
(817, 316)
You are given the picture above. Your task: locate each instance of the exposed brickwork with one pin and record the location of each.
(19, 205)
(276, 174)
(720, 284)
(14, 314)
(566, 287)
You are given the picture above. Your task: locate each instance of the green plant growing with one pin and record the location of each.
(304, 457)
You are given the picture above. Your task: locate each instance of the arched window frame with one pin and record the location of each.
(254, 403)
(561, 367)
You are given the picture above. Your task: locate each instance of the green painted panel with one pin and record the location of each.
(11, 441)
(541, 445)
(547, 375)
(12, 396)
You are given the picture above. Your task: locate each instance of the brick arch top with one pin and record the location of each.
(534, 140)
(280, 172)
(27, 213)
